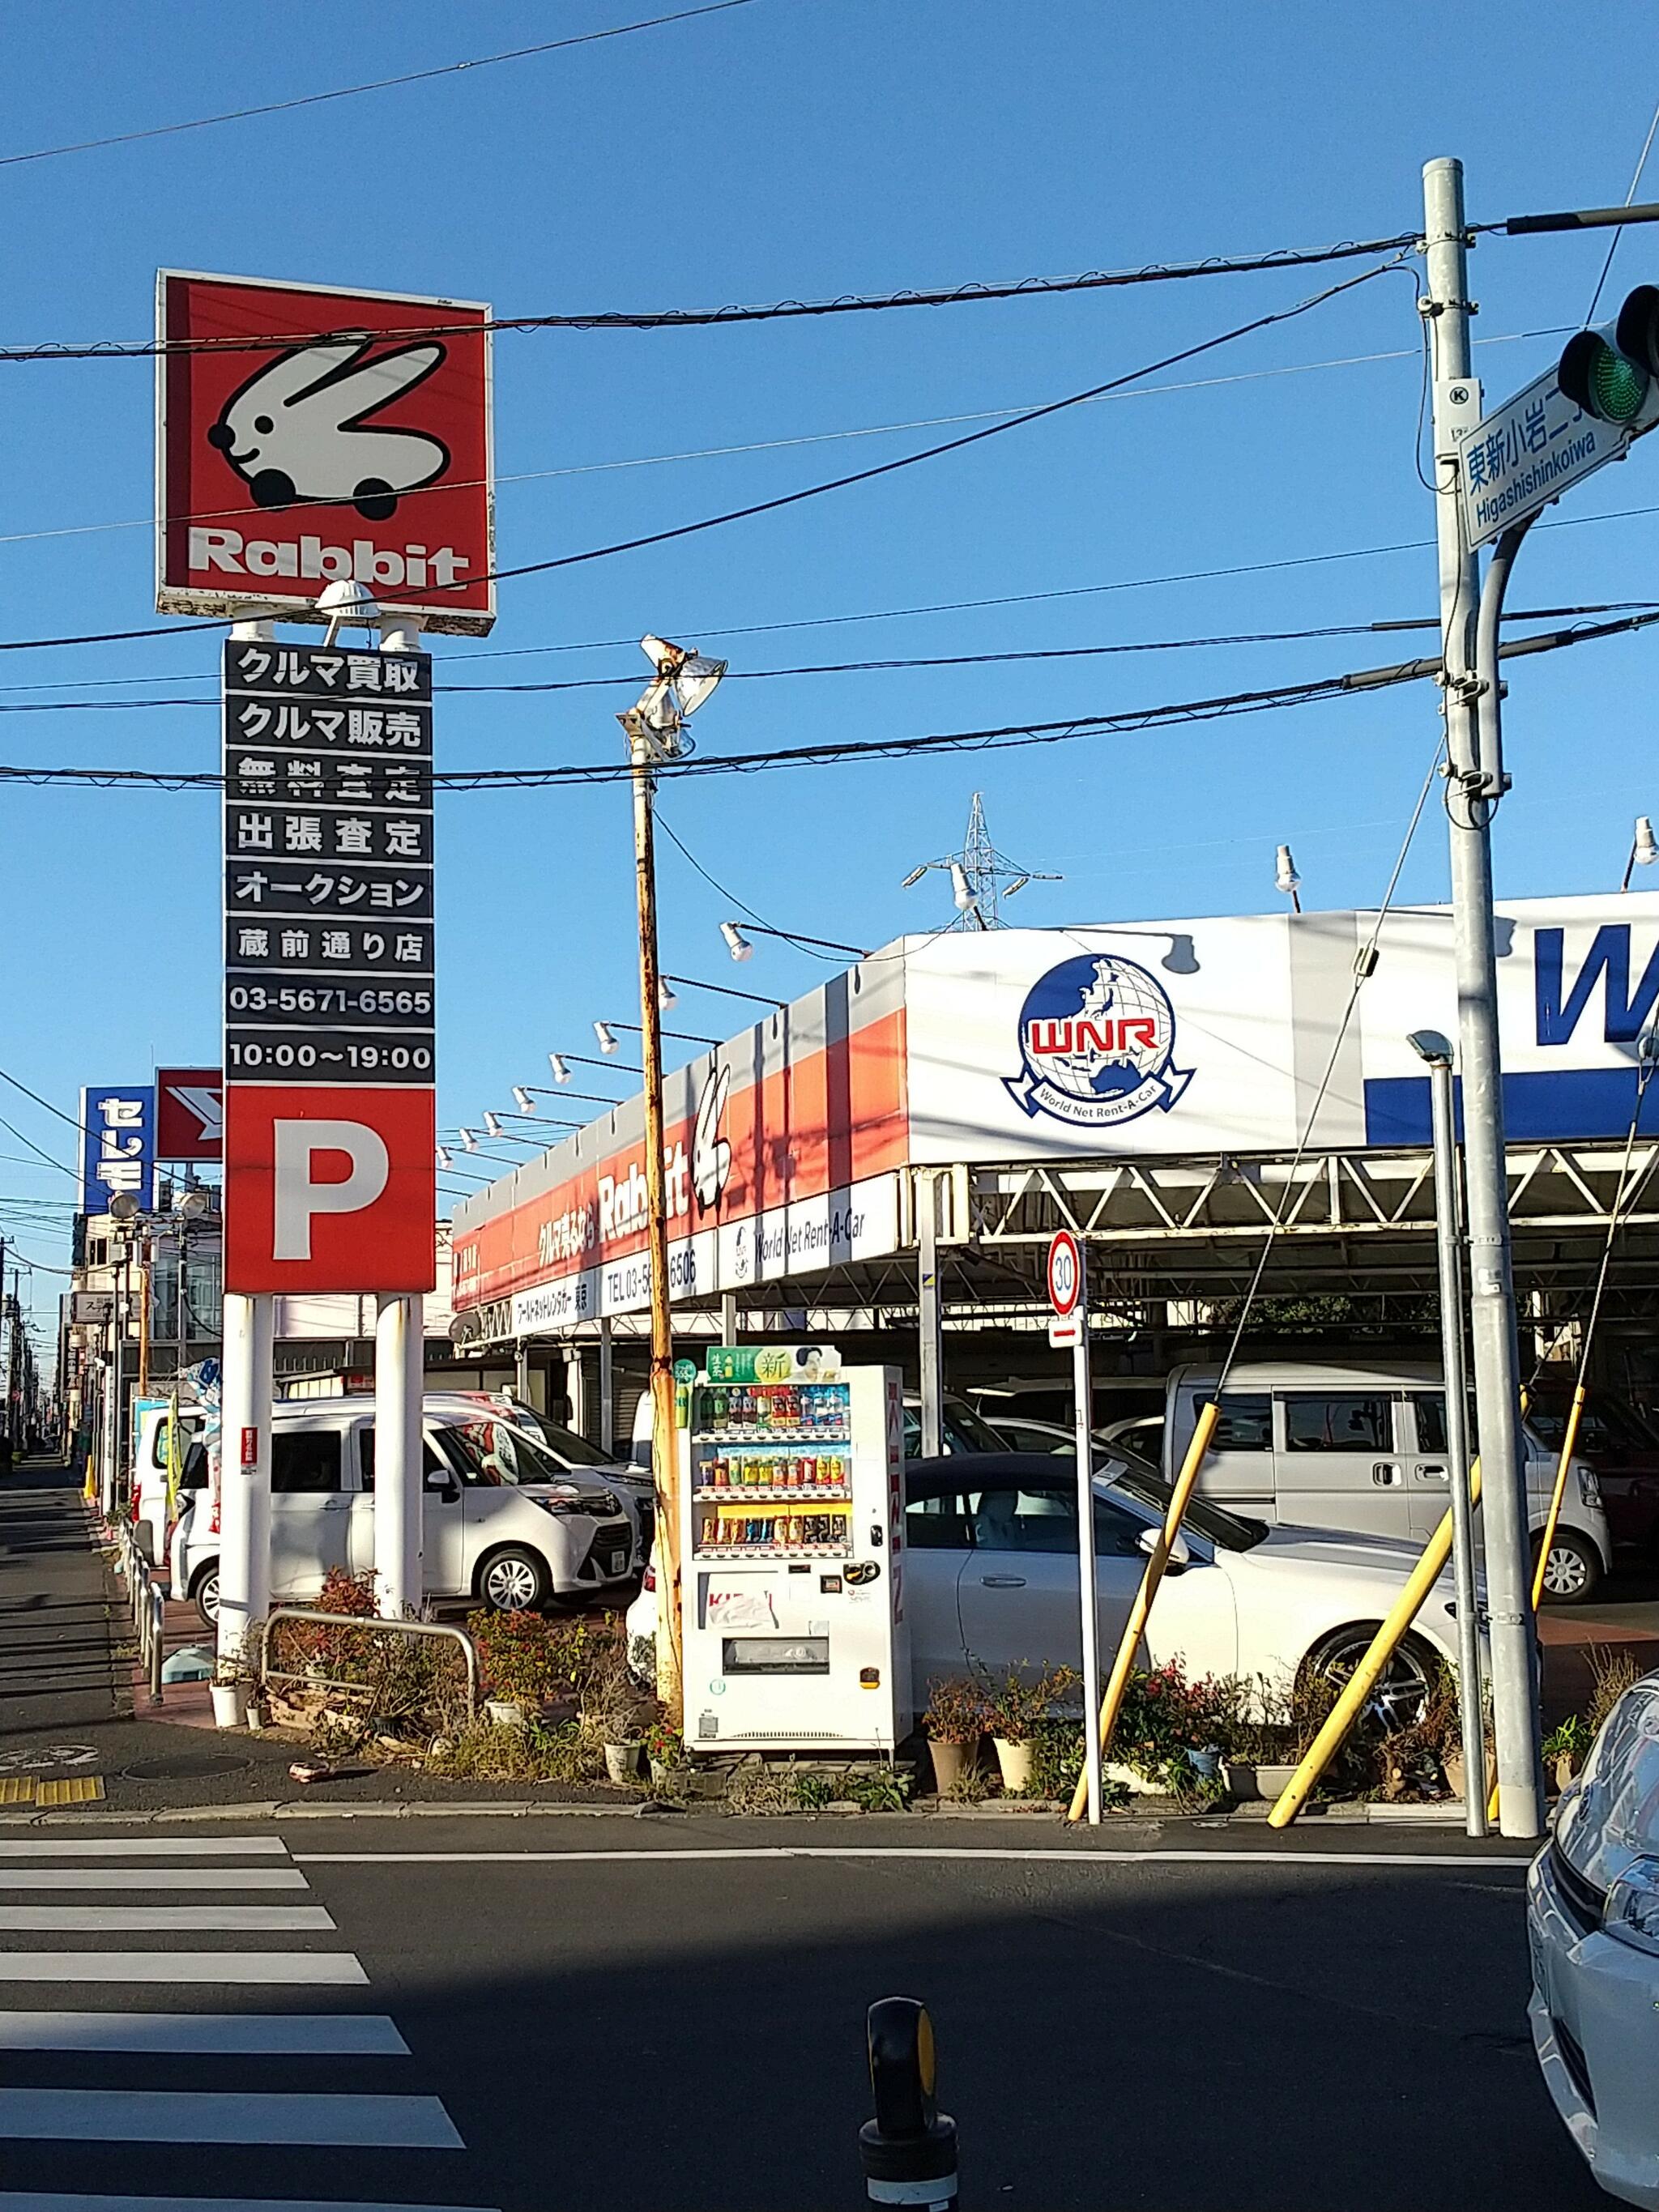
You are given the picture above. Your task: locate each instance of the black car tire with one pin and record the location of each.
(1574, 1570)
(514, 1580)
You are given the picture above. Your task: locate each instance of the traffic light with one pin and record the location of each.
(1612, 371)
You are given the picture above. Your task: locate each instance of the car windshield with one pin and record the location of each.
(970, 1432)
(490, 1452)
(1231, 1531)
(566, 1444)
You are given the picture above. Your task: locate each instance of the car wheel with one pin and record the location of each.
(1571, 1571)
(1401, 1690)
(205, 1592)
(513, 1581)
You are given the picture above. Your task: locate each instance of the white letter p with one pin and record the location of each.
(298, 1198)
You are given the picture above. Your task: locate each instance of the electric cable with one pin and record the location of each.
(1629, 198)
(355, 91)
(72, 1120)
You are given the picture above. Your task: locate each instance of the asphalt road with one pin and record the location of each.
(668, 2014)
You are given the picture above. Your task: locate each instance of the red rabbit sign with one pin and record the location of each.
(308, 436)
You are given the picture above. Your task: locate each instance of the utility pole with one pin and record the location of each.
(1471, 797)
(664, 1452)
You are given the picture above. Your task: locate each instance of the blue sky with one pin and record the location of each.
(801, 149)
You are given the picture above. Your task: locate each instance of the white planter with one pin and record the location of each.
(622, 1761)
(504, 1712)
(1250, 1783)
(227, 1705)
(1015, 1761)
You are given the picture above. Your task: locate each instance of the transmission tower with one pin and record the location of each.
(980, 877)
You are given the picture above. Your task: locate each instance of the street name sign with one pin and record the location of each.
(1527, 452)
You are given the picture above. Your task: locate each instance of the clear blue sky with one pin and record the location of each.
(804, 149)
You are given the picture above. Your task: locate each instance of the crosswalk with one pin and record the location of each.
(131, 2078)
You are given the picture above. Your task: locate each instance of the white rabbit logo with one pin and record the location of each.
(711, 1155)
(295, 431)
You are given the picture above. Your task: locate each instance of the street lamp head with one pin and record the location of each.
(915, 877)
(607, 1041)
(1285, 878)
(445, 1162)
(1644, 852)
(493, 1125)
(561, 1072)
(1430, 1045)
(123, 1207)
(348, 605)
(666, 996)
(1017, 884)
(521, 1099)
(736, 943)
(469, 1141)
(190, 1205)
(685, 677)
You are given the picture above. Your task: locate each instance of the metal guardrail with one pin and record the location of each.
(148, 1606)
(373, 1625)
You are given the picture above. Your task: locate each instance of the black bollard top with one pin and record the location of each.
(909, 2140)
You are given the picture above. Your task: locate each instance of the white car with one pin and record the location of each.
(511, 1540)
(991, 1582)
(1593, 1928)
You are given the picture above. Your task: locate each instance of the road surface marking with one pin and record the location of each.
(28, 2201)
(195, 2116)
(127, 1879)
(143, 1847)
(336, 1968)
(123, 1919)
(279, 2034)
(77, 1789)
(1078, 1857)
(16, 1790)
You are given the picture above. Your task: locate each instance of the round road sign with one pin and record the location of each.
(1065, 1272)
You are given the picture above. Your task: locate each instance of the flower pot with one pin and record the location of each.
(1206, 1764)
(1129, 1778)
(227, 1703)
(622, 1761)
(1250, 1783)
(664, 1770)
(1451, 1765)
(1567, 1766)
(1016, 1761)
(951, 1761)
(504, 1712)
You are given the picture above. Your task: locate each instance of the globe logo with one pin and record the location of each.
(1096, 1036)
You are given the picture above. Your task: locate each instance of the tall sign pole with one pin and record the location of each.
(1069, 1296)
(1469, 807)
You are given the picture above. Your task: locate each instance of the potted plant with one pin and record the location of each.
(665, 1749)
(610, 1711)
(228, 1693)
(954, 1724)
(1566, 1747)
(1014, 1711)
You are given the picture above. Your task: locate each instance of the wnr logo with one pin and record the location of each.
(1624, 1018)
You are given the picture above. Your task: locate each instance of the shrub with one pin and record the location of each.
(1015, 1708)
(528, 1659)
(482, 1753)
(1572, 1739)
(957, 1712)
(1164, 1716)
(1611, 1673)
(814, 1791)
(877, 1790)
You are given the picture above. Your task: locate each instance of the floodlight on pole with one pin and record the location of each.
(665, 997)
(561, 1072)
(445, 1162)
(1286, 878)
(348, 605)
(469, 1141)
(915, 877)
(736, 943)
(493, 1125)
(1644, 851)
(1431, 1046)
(521, 1099)
(607, 1039)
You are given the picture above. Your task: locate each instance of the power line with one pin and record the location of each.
(956, 296)
(1172, 714)
(73, 1122)
(354, 91)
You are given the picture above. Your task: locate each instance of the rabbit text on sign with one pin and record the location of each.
(351, 447)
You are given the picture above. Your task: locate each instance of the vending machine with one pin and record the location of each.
(793, 1576)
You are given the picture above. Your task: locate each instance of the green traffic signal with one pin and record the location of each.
(1600, 380)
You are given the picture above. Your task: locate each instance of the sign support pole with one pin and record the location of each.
(1471, 792)
(1088, 1592)
(244, 1477)
(398, 1498)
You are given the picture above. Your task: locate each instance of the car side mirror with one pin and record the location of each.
(1180, 1552)
(442, 1486)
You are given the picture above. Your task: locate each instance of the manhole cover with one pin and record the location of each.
(187, 1769)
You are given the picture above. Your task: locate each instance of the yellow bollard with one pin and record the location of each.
(1570, 1438)
(1111, 1703)
(1328, 1741)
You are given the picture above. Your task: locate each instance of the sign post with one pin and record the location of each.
(1068, 1295)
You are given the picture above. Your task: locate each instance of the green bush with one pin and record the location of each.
(527, 1659)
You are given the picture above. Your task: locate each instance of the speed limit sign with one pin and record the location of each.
(1065, 1274)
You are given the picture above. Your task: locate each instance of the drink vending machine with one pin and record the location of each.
(792, 1575)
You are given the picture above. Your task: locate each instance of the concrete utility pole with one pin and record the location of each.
(1471, 797)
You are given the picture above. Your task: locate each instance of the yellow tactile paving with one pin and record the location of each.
(17, 1790)
(78, 1790)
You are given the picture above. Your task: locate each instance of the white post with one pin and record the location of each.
(397, 1389)
(607, 1391)
(1088, 1589)
(929, 1315)
(244, 1474)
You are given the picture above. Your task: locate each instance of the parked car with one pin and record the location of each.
(991, 1581)
(1592, 1930)
(507, 1541)
(1622, 1445)
(152, 1507)
(573, 1454)
(1364, 1448)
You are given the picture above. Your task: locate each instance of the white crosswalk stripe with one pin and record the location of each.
(202, 2113)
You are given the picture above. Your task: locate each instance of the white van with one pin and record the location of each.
(501, 1521)
(1364, 1448)
(150, 1470)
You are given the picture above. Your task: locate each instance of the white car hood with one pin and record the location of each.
(1336, 1547)
(1612, 1814)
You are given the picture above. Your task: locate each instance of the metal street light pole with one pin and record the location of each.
(1472, 786)
(1448, 1233)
